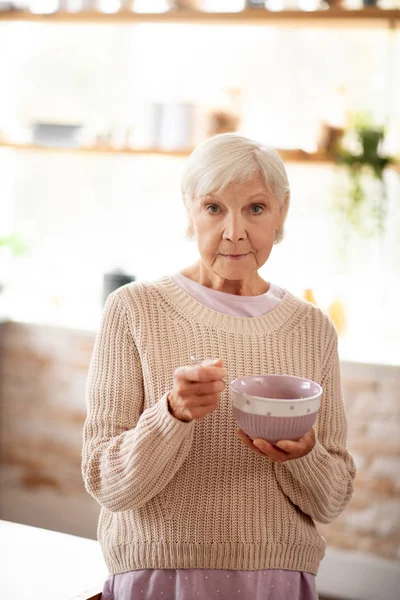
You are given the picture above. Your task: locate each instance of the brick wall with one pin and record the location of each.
(42, 380)
(371, 521)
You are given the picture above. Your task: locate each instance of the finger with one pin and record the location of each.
(206, 401)
(207, 406)
(216, 362)
(248, 442)
(291, 446)
(218, 371)
(299, 447)
(199, 373)
(263, 447)
(270, 450)
(204, 388)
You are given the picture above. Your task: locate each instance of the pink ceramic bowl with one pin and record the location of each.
(275, 407)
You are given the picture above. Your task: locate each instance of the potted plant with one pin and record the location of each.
(364, 205)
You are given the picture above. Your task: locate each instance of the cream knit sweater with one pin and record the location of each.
(191, 495)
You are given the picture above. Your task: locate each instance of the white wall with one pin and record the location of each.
(83, 214)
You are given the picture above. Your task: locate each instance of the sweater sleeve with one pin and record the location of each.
(129, 454)
(321, 483)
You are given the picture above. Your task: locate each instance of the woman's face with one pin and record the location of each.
(235, 230)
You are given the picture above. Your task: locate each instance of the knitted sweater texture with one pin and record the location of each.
(178, 495)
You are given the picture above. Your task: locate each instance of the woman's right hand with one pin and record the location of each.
(197, 390)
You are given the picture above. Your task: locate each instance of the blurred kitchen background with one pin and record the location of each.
(101, 102)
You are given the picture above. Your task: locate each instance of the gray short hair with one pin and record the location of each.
(228, 158)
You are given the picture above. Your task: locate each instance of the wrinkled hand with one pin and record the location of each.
(197, 390)
(282, 450)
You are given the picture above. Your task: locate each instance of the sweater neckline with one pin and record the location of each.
(178, 276)
(194, 310)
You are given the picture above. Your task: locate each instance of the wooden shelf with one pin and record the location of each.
(367, 17)
(95, 150)
(288, 155)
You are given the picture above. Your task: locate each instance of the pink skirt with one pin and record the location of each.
(210, 584)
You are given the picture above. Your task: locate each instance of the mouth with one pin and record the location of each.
(235, 256)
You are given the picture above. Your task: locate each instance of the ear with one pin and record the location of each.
(283, 210)
(278, 235)
(189, 235)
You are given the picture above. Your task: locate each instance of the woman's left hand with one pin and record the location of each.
(282, 450)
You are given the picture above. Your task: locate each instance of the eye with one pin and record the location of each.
(257, 209)
(212, 208)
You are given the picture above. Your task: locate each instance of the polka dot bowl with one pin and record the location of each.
(275, 407)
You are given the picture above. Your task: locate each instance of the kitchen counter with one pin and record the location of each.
(38, 564)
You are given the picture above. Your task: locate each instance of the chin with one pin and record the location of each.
(235, 270)
(234, 274)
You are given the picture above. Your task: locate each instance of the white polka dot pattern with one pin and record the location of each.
(273, 584)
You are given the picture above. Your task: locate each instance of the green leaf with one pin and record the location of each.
(16, 244)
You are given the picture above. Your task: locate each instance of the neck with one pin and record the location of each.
(252, 285)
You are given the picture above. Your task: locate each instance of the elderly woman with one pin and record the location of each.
(190, 506)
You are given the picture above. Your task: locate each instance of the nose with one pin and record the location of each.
(234, 229)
